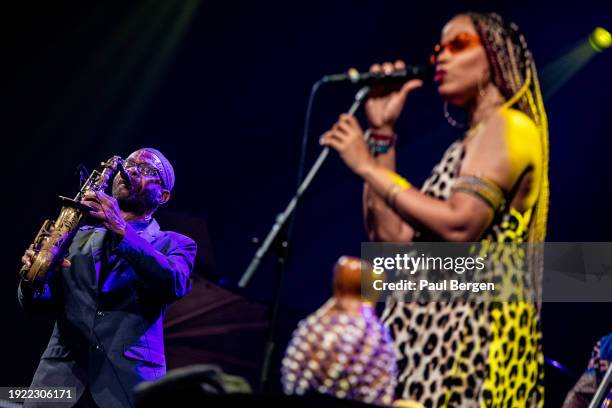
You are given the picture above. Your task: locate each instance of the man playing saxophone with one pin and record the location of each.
(110, 294)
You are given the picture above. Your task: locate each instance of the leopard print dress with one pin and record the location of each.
(468, 354)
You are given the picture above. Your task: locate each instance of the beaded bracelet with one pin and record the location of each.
(380, 143)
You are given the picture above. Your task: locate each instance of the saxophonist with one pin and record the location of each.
(110, 294)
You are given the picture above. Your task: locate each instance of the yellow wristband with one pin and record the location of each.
(398, 183)
(399, 180)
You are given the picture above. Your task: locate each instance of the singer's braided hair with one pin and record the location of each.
(513, 72)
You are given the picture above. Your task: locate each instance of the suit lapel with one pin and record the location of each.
(99, 252)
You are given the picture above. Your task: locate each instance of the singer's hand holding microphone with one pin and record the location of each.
(383, 108)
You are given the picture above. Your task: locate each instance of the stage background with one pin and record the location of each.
(221, 89)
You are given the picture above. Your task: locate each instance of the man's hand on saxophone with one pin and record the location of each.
(26, 259)
(106, 209)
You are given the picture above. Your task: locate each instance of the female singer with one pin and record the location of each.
(490, 186)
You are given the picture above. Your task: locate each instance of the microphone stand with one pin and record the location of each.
(603, 391)
(281, 240)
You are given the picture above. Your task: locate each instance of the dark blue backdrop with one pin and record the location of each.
(226, 103)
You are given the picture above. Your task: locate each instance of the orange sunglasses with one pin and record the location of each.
(460, 42)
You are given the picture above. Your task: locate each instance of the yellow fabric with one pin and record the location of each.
(398, 180)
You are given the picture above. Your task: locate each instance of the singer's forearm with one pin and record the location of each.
(387, 160)
(461, 218)
(387, 129)
(381, 222)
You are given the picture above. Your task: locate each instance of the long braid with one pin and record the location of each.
(514, 73)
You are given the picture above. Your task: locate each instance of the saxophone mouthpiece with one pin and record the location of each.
(125, 175)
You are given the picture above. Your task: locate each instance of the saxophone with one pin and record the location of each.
(54, 237)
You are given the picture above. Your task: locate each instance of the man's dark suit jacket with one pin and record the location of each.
(109, 306)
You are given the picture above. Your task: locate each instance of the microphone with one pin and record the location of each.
(124, 175)
(424, 73)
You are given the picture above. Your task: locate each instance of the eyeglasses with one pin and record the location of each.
(144, 169)
(460, 42)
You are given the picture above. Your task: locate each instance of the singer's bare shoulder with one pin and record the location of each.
(504, 148)
(521, 138)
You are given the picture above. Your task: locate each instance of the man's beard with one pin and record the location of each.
(138, 202)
